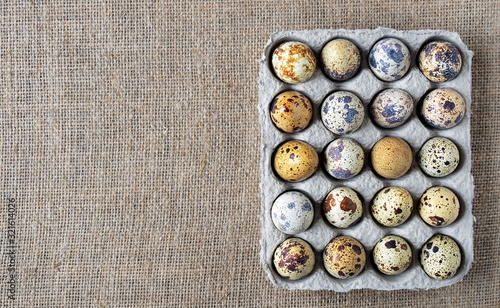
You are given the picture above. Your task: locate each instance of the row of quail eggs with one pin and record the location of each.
(345, 257)
(389, 59)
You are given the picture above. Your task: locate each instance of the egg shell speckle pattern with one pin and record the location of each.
(438, 157)
(294, 62)
(440, 257)
(443, 108)
(343, 158)
(392, 206)
(391, 108)
(295, 161)
(292, 212)
(344, 257)
(439, 206)
(342, 207)
(391, 157)
(294, 259)
(389, 59)
(291, 111)
(340, 59)
(392, 255)
(342, 112)
(440, 61)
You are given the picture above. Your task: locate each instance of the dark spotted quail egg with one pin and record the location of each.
(392, 206)
(342, 112)
(342, 207)
(294, 259)
(438, 157)
(344, 257)
(440, 61)
(443, 108)
(293, 62)
(392, 255)
(291, 111)
(440, 257)
(389, 59)
(439, 206)
(391, 108)
(292, 212)
(340, 59)
(295, 161)
(344, 158)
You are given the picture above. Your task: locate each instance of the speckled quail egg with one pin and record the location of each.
(440, 257)
(438, 157)
(440, 61)
(439, 206)
(443, 108)
(389, 59)
(340, 59)
(292, 212)
(344, 158)
(391, 157)
(342, 207)
(294, 259)
(291, 111)
(392, 206)
(391, 108)
(392, 255)
(295, 161)
(344, 257)
(342, 112)
(293, 62)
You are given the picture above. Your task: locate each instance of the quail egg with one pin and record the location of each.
(294, 259)
(344, 158)
(293, 62)
(392, 255)
(392, 206)
(340, 59)
(438, 157)
(291, 111)
(391, 108)
(342, 207)
(292, 212)
(295, 161)
(344, 257)
(440, 61)
(389, 59)
(391, 157)
(443, 108)
(439, 206)
(440, 257)
(342, 112)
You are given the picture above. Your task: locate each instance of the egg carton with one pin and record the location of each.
(367, 183)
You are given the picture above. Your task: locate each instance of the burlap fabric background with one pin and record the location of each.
(130, 140)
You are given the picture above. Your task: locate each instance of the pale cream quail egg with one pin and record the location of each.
(392, 255)
(342, 207)
(392, 206)
(439, 206)
(440, 257)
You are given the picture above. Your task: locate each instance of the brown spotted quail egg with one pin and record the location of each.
(344, 158)
(340, 59)
(440, 61)
(392, 255)
(443, 108)
(391, 108)
(439, 206)
(342, 112)
(438, 157)
(392, 206)
(391, 157)
(294, 259)
(440, 257)
(291, 111)
(344, 257)
(293, 62)
(295, 161)
(342, 207)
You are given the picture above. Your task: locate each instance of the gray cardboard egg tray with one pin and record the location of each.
(365, 85)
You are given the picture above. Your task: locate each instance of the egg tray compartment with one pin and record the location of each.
(365, 85)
